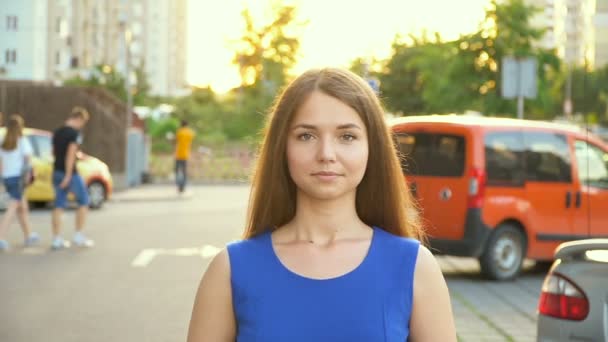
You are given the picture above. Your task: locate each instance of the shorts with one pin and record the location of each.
(76, 186)
(14, 188)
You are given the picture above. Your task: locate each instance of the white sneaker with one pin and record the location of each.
(33, 239)
(59, 243)
(82, 241)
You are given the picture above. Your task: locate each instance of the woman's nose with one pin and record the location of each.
(327, 150)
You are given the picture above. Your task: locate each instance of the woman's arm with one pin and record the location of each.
(432, 318)
(212, 317)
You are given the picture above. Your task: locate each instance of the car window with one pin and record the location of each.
(33, 144)
(592, 164)
(430, 154)
(547, 157)
(42, 146)
(504, 152)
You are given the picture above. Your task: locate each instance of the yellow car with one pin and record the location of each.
(94, 172)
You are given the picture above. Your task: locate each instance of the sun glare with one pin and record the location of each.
(337, 32)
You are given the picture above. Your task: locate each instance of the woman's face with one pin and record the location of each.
(327, 148)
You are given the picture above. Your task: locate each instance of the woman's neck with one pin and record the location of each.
(323, 222)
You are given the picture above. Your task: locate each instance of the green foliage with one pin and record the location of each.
(427, 75)
(590, 92)
(107, 77)
(266, 54)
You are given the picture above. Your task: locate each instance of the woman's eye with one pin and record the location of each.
(304, 136)
(348, 137)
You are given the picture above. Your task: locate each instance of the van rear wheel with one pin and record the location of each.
(504, 253)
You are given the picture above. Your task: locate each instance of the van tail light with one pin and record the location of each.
(477, 188)
(561, 298)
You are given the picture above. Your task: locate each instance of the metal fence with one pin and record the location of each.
(223, 164)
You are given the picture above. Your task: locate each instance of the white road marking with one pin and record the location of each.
(34, 250)
(145, 257)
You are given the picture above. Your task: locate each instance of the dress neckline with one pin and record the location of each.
(361, 265)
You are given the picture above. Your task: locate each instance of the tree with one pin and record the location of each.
(265, 55)
(433, 76)
(508, 31)
(401, 81)
(106, 76)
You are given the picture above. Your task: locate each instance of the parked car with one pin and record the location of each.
(573, 304)
(95, 173)
(503, 189)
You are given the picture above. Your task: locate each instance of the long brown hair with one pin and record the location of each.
(382, 197)
(14, 130)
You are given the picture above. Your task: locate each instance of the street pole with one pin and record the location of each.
(568, 102)
(128, 119)
(520, 91)
(520, 106)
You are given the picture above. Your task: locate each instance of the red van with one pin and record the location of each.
(501, 190)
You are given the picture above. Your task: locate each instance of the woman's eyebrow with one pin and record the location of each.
(349, 126)
(305, 126)
(313, 127)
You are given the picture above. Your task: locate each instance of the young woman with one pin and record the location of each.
(331, 250)
(15, 155)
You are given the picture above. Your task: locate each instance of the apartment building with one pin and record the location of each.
(569, 28)
(551, 17)
(580, 33)
(601, 33)
(56, 39)
(23, 42)
(166, 45)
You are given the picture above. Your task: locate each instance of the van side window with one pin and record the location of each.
(431, 154)
(592, 164)
(547, 157)
(504, 153)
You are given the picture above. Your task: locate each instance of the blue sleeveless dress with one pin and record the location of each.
(371, 303)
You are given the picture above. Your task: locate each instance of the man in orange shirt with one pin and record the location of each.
(183, 143)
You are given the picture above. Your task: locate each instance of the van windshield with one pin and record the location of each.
(432, 154)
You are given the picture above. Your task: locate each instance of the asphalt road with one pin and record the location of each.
(152, 246)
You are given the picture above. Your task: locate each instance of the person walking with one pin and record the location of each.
(183, 145)
(66, 142)
(15, 166)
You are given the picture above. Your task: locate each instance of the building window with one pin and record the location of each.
(10, 56)
(57, 58)
(11, 23)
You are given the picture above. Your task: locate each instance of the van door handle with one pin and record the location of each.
(577, 200)
(568, 199)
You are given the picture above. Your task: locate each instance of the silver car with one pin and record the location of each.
(573, 304)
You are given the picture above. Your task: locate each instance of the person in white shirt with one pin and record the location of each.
(15, 158)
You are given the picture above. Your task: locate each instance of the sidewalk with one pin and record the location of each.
(488, 310)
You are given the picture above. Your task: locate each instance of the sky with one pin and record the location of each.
(338, 31)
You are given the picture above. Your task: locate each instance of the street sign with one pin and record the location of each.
(518, 76)
(528, 70)
(509, 72)
(519, 80)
